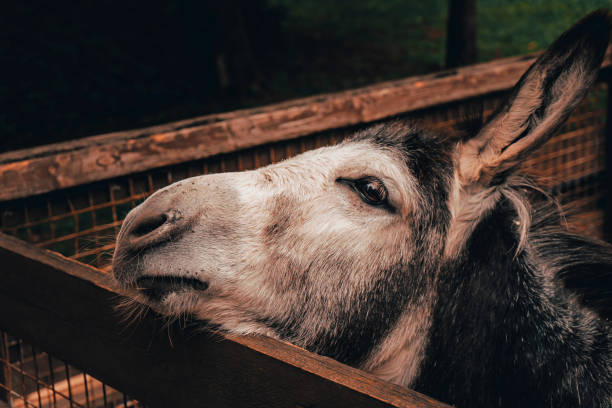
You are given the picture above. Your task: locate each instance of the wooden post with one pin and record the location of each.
(607, 233)
(461, 33)
(3, 369)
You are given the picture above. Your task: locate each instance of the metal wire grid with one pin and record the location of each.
(30, 377)
(573, 164)
(82, 222)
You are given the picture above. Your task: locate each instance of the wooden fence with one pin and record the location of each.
(70, 198)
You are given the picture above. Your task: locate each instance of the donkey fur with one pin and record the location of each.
(460, 285)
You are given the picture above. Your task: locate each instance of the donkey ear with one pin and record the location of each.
(539, 103)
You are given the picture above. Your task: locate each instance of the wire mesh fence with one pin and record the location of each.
(29, 377)
(82, 222)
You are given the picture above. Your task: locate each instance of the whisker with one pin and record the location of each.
(130, 310)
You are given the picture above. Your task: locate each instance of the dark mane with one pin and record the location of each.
(532, 303)
(583, 265)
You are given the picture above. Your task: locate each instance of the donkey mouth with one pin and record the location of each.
(157, 287)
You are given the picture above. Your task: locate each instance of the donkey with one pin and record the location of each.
(422, 258)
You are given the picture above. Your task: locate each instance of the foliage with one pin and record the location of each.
(508, 27)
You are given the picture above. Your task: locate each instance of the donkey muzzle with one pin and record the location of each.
(152, 224)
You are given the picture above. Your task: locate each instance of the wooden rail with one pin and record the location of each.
(41, 169)
(67, 308)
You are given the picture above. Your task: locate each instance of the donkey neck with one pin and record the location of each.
(502, 329)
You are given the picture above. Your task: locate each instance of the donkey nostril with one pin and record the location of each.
(149, 224)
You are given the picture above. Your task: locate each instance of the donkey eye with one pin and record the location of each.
(371, 190)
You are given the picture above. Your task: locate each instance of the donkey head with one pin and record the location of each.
(338, 249)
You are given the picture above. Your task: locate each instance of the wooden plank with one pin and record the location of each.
(66, 308)
(3, 376)
(46, 168)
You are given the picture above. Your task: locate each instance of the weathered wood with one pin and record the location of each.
(66, 308)
(3, 376)
(42, 169)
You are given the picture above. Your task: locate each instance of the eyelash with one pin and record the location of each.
(360, 186)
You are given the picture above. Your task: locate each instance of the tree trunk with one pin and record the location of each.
(461, 33)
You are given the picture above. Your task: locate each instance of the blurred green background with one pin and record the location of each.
(73, 69)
